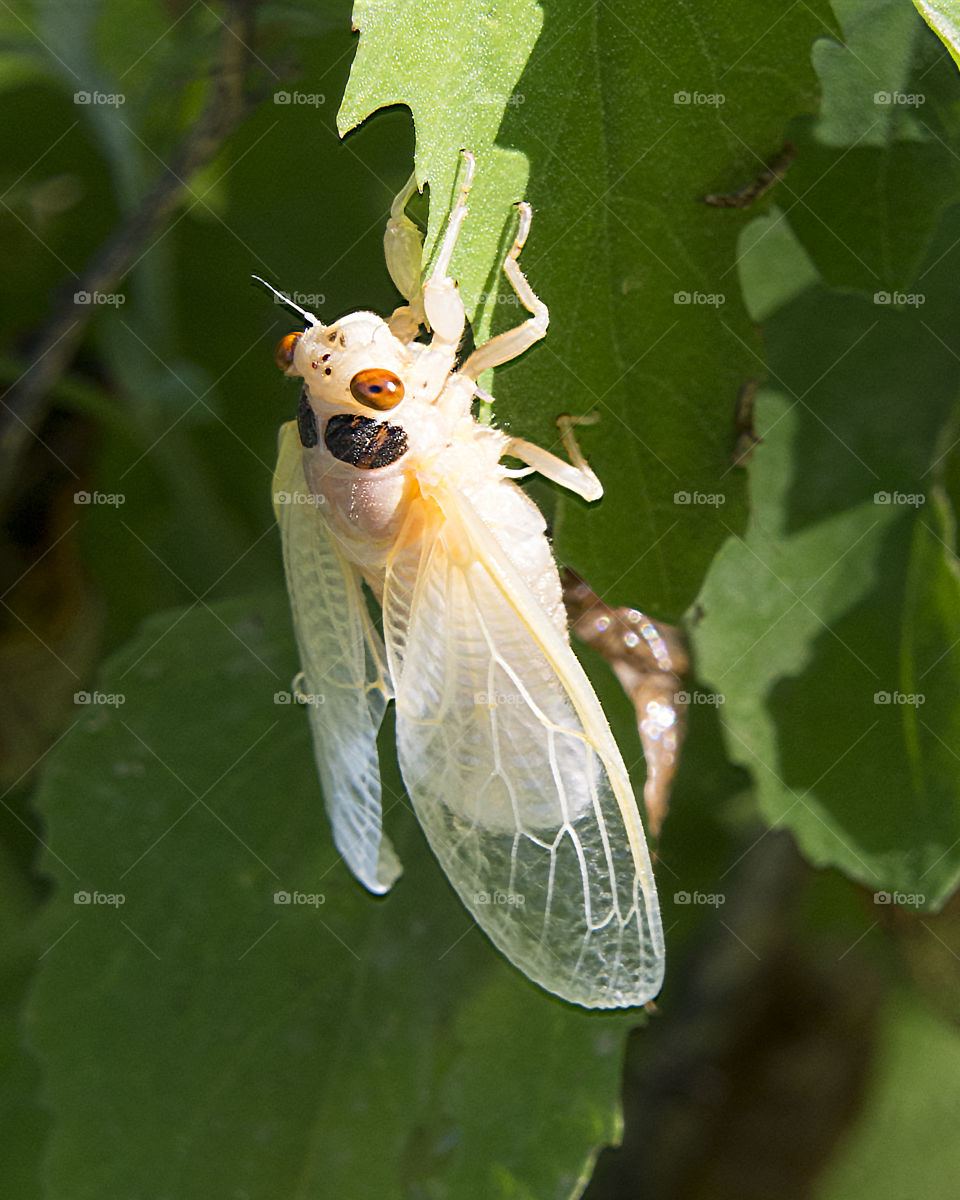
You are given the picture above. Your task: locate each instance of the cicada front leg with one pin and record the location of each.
(436, 303)
(441, 297)
(403, 250)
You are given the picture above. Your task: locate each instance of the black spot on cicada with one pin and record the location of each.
(363, 442)
(307, 422)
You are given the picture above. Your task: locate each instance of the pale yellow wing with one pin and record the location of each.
(512, 769)
(344, 674)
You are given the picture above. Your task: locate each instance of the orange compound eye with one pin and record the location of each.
(283, 355)
(377, 388)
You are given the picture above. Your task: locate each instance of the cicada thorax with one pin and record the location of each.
(364, 516)
(360, 464)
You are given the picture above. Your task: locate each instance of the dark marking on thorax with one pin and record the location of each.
(364, 443)
(307, 422)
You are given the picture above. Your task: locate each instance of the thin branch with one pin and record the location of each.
(28, 400)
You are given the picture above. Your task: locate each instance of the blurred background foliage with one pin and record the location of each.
(201, 1040)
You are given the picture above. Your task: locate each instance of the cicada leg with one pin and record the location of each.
(514, 341)
(403, 250)
(441, 299)
(575, 475)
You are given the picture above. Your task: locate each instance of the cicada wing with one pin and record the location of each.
(345, 681)
(512, 768)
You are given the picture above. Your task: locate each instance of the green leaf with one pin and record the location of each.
(943, 17)
(200, 1039)
(618, 163)
(270, 1060)
(456, 67)
(620, 238)
(888, 116)
(867, 96)
(832, 627)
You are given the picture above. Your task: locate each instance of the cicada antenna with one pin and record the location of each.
(307, 316)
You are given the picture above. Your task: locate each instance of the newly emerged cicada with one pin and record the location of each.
(386, 479)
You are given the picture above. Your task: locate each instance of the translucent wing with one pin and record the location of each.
(512, 769)
(344, 679)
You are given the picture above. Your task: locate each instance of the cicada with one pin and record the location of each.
(386, 481)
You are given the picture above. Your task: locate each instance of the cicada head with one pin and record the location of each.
(356, 364)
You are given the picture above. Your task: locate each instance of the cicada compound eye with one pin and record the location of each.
(283, 355)
(378, 388)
